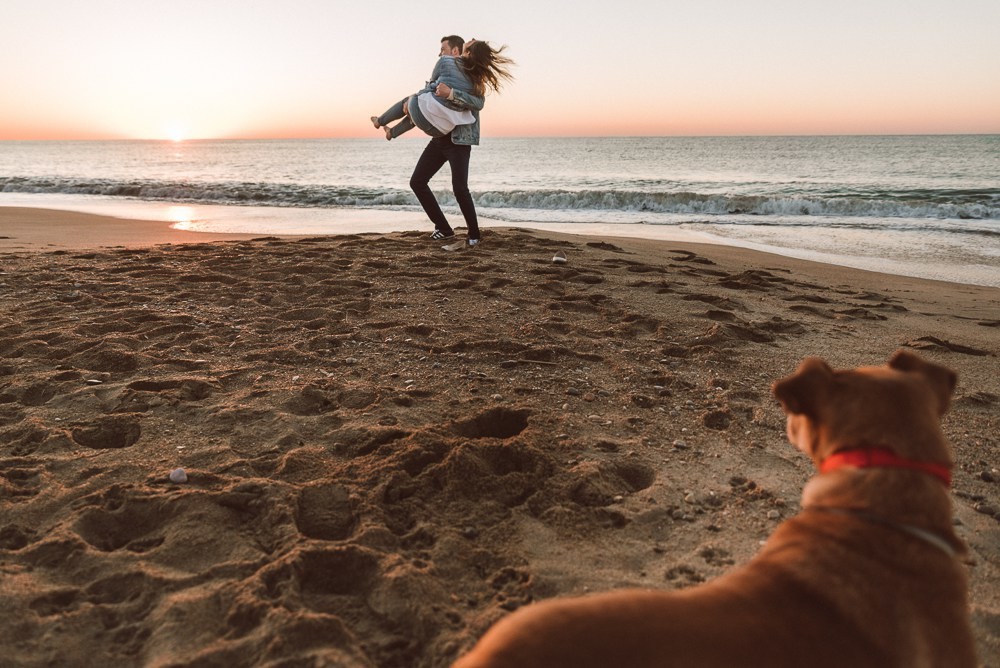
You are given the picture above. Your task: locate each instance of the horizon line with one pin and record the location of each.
(554, 136)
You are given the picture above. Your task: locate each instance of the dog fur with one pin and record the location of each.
(867, 574)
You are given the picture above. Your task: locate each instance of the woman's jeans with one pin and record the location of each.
(407, 122)
(395, 113)
(439, 151)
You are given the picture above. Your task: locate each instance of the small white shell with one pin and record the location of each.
(178, 476)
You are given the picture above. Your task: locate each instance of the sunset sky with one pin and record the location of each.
(320, 68)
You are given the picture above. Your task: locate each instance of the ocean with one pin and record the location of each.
(925, 206)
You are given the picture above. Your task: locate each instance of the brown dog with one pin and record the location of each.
(868, 574)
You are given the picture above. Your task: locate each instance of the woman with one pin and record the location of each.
(440, 118)
(486, 68)
(437, 119)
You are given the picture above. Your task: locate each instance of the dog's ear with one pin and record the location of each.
(802, 392)
(942, 379)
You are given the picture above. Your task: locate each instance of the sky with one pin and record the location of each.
(189, 69)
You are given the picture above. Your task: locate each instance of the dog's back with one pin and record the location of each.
(868, 574)
(822, 593)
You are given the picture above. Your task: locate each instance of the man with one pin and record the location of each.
(452, 46)
(455, 148)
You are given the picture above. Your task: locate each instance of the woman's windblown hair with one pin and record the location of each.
(486, 67)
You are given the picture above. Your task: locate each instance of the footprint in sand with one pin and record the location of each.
(15, 537)
(499, 423)
(688, 256)
(360, 441)
(859, 314)
(603, 245)
(782, 326)
(39, 394)
(658, 287)
(814, 299)
(185, 389)
(727, 333)
(359, 586)
(123, 588)
(499, 283)
(137, 525)
(812, 310)
(420, 329)
(634, 325)
(719, 316)
(598, 484)
(26, 439)
(358, 397)
(56, 602)
(581, 303)
(638, 268)
(508, 472)
(325, 512)
(587, 278)
(715, 300)
(19, 481)
(457, 284)
(753, 279)
(718, 420)
(107, 358)
(311, 400)
(110, 432)
(330, 580)
(934, 343)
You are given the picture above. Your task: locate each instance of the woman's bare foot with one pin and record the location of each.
(375, 122)
(388, 133)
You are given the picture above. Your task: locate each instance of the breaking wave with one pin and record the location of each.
(969, 204)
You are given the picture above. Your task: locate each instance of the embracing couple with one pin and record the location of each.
(447, 109)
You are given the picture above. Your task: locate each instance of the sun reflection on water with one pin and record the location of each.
(181, 217)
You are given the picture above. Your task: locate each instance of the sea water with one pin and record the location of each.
(926, 206)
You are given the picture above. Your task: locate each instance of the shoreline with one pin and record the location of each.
(389, 447)
(25, 228)
(29, 229)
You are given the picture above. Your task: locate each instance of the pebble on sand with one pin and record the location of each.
(178, 476)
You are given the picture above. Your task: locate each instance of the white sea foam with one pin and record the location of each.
(976, 205)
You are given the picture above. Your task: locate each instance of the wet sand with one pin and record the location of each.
(388, 447)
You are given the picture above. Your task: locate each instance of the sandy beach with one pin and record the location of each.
(387, 447)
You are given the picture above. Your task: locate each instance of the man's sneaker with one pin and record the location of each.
(474, 242)
(438, 235)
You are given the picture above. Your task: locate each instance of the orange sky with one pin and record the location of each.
(311, 68)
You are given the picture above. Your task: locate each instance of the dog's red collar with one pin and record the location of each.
(882, 457)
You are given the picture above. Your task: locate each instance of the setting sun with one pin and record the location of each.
(176, 133)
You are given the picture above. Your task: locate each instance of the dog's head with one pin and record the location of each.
(897, 406)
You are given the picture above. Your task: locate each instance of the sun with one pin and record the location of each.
(176, 134)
